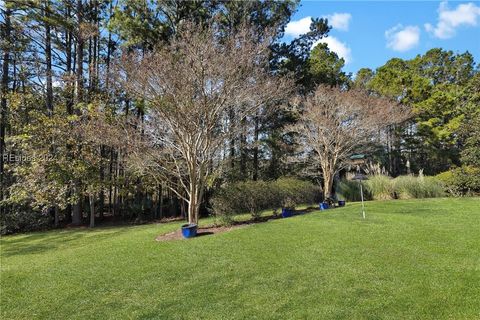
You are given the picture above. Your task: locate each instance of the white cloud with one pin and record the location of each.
(401, 38)
(340, 48)
(339, 21)
(298, 27)
(464, 14)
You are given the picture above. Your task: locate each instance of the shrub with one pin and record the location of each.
(224, 204)
(21, 218)
(256, 196)
(253, 197)
(249, 196)
(290, 192)
(461, 181)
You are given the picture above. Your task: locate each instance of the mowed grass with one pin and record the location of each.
(410, 259)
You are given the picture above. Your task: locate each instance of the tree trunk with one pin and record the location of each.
(232, 141)
(77, 209)
(243, 150)
(194, 201)
(4, 92)
(48, 59)
(255, 148)
(109, 51)
(193, 209)
(77, 214)
(68, 61)
(56, 219)
(102, 180)
(110, 186)
(91, 199)
(327, 183)
(160, 195)
(69, 88)
(80, 40)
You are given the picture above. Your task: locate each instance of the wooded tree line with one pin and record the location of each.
(93, 90)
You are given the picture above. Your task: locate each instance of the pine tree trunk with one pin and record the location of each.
(57, 218)
(110, 187)
(48, 59)
(91, 199)
(3, 102)
(160, 194)
(77, 209)
(80, 43)
(77, 214)
(68, 62)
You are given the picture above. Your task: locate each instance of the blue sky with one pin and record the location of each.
(368, 33)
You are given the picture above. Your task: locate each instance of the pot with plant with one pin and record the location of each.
(288, 207)
(189, 230)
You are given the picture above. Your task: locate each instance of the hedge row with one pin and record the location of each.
(255, 196)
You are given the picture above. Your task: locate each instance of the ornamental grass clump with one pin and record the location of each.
(380, 187)
(411, 187)
(350, 190)
(383, 187)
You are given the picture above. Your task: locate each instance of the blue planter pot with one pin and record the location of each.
(189, 230)
(324, 206)
(287, 213)
(341, 203)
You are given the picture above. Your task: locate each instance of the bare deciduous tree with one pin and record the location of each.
(191, 87)
(334, 123)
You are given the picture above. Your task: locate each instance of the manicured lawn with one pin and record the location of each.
(411, 259)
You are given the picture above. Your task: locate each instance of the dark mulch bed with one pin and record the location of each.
(204, 231)
(209, 230)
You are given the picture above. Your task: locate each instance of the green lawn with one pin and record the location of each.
(410, 259)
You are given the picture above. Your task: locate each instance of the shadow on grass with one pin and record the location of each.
(204, 233)
(40, 242)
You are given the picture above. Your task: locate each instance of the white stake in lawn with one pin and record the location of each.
(360, 177)
(363, 206)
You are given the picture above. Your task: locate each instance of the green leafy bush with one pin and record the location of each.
(21, 218)
(224, 204)
(290, 192)
(461, 181)
(255, 196)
